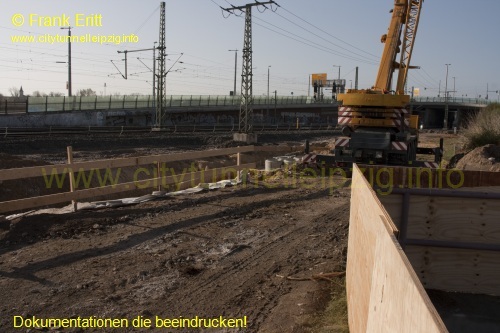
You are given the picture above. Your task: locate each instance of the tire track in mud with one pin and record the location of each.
(250, 272)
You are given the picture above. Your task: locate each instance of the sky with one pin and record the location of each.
(297, 39)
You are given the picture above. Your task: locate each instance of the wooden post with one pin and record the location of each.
(71, 176)
(238, 162)
(159, 175)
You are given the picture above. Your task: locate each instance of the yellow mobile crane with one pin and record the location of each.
(377, 126)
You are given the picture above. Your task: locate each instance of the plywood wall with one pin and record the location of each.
(452, 221)
(384, 293)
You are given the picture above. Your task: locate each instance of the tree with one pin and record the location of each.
(55, 94)
(14, 92)
(86, 92)
(37, 93)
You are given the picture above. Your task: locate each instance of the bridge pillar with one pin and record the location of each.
(245, 137)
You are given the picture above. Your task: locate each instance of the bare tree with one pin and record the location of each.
(86, 92)
(55, 94)
(14, 92)
(37, 93)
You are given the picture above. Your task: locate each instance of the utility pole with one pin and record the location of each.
(154, 74)
(246, 105)
(356, 80)
(338, 85)
(69, 59)
(275, 102)
(161, 98)
(445, 126)
(309, 86)
(235, 69)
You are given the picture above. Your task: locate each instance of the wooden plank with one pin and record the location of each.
(393, 205)
(289, 149)
(15, 205)
(457, 270)
(410, 177)
(384, 293)
(454, 219)
(39, 171)
(448, 219)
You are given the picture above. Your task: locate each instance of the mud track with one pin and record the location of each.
(226, 252)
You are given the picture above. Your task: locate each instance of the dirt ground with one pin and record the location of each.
(248, 250)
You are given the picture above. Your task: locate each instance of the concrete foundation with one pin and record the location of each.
(245, 137)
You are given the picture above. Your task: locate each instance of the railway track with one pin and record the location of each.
(10, 132)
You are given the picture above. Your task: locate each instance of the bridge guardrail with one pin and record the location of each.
(464, 100)
(88, 103)
(85, 103)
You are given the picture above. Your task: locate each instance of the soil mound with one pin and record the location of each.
(485, 158)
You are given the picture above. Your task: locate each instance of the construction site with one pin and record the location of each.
(365, 211)
(268, 247)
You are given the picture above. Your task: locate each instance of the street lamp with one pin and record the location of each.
(454, 91)
(235, 66)
(446, 99)
(268, 67)
(488, 90)
(69, 59)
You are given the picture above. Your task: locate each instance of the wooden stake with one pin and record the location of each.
(238, 162)
(71, 176)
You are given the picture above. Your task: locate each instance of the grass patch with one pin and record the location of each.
(452, 146)
(484, 128)
(334, 318)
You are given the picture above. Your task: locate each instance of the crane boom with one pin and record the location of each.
(406, 13)
(411, 25)
(392, 42)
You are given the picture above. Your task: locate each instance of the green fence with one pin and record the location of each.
(78, 103)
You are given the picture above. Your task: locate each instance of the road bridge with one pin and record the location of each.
(187, 110)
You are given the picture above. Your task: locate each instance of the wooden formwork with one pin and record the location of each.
(451, 237)
(407, 234)
(384, 293)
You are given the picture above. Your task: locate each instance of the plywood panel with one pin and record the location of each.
(384, 293)
(461, 270)
(398, 302)
(433, 178)
(393, 205)
(451, 219)
(454, 219)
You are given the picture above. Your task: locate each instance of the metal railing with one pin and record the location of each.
(461, 100)
(88, 103)
(78, 103)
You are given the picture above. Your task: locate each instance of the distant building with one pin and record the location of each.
(21, 92)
